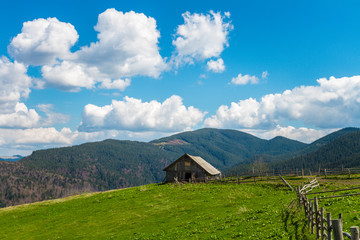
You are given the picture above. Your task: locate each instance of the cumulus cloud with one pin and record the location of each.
(116, 84)
(127, 46)
(216, 66)
(133, 114)
(201, 37)
(244, 79)
(68, 76)
(42, 41)
(34, 136)
(14, 84)
(302, 134)
(334, 103)
(21, 117)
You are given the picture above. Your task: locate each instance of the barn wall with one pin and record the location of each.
(181, 171)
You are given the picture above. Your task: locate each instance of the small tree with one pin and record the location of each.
(260, 166)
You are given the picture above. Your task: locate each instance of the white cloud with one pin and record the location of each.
(244, 114)
(201, 37)
(42, 41)
(21, 117)
(14, 84)
(216, 66)
(127, 46)
(68, 76)
(135, 115)
(24, 141)
(34, 136)
(243, 80)
(334, 103)
(265, 75)
(302, 134)
(116, 84)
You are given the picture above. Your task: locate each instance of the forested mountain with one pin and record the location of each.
(296, 158)
(110, 164)
(225, 148)
(326, 139)
(341, 150)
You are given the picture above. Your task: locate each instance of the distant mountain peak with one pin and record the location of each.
(11, 158)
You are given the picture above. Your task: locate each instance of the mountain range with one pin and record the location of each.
(110, 164)
(13, 158)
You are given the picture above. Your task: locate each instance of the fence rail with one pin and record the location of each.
(259, 171)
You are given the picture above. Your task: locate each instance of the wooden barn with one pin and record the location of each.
(191, 169)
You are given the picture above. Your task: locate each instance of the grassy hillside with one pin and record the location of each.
(190, 211)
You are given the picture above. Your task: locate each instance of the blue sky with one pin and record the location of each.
(76, 71)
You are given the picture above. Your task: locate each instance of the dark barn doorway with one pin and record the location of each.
(187, 176)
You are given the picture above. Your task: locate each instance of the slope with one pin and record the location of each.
(189, 211)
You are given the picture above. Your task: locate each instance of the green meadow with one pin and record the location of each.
(169, 211)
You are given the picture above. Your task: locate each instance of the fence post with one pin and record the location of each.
(322, 223)
(354, 233)
(341, 218)
(338, 231)
(316, 206)
(329, 227)
(325, 173)
(302, 173)
(308, 211)
(254, 175)
(349, 173)
(299, 197)
(312, 217)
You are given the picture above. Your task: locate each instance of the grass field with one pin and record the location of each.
(170, 211)
(189, 211)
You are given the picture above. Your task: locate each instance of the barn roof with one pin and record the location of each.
(201, 162)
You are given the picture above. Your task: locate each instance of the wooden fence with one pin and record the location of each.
(256, 171)
(324, 228)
